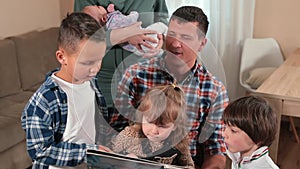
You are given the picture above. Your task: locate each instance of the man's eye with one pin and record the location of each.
(171, 34)
(186, 38)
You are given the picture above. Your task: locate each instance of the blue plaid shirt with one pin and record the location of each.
(44, 120)
(206, 99)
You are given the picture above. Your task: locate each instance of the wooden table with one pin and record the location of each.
(282, 89)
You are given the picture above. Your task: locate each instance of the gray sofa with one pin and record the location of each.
(24, 59)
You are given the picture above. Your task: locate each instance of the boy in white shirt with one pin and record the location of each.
(66, 115)
(251, 127)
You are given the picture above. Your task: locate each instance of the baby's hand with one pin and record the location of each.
(110, 8)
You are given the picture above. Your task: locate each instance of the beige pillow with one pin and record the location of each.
(259, 75)
(36, 56)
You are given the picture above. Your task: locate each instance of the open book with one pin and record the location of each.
(105, 160)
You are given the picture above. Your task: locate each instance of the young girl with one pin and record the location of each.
(159, 132)
(250, 128)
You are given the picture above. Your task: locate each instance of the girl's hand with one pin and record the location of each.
(103, 148)
(132, 155)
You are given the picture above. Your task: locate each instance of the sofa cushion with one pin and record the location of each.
(11, 130)
(9, 77)
(15, 157)
(12, 106)
(36, 56)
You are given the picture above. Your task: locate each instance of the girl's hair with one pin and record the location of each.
(162, 105)
(254, 116)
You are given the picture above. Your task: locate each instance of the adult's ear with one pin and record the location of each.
(203, 42)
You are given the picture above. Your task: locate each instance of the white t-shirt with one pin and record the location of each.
(80, 127)
(259, 159)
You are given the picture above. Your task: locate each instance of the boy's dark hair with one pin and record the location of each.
(254, 116)
(192, 14)
(76, 27)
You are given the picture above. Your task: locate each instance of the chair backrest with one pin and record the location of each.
(258, 53)
(211, 60)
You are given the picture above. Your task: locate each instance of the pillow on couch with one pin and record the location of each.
(36, 56)
(10, 79)
(259, 75)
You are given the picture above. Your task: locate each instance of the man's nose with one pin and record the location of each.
(176, 43)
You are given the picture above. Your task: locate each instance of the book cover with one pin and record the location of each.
(105, 160)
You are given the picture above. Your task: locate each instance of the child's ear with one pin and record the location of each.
(60, 56)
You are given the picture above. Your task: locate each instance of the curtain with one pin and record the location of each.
(231, 22)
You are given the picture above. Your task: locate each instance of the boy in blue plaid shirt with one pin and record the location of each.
(65, 115)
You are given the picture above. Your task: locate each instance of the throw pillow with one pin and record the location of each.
(258, 76)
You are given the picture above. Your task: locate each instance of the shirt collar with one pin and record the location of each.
(193, 70)
(262, 151)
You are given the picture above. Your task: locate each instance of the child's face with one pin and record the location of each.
(84, 64)
(237, 140)
(102, 15)
(156, 133)
(97, 12)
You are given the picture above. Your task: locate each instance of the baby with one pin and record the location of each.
(114, 19)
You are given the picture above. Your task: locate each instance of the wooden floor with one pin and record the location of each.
(289, 150)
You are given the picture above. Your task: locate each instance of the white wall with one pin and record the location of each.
(20, 16)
